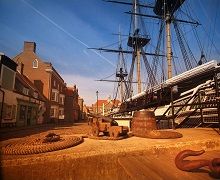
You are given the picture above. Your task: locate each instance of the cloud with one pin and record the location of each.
(87, 87)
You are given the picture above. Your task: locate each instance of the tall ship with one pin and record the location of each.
(180, 87)
(165, 91)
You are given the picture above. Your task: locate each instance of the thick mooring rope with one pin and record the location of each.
(32, 145)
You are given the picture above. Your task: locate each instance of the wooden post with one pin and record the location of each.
(138, 70)
(169, 48)
(201, 109)
(172, 108)
(97, 96)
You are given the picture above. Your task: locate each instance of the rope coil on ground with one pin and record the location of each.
(33, 145)
(162, 134)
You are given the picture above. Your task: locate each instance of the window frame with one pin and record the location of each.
(35, 64)
(61, 99)
(56, 95)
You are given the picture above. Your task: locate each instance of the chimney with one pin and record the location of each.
(29, 46)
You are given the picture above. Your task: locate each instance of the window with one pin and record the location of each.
(9, 112)
(61, 101)
(35, 63)
(54, 95)
(61, 113)
(54, 83)
(7, 78)
(25, 91)
(35, 94)
(53, 112)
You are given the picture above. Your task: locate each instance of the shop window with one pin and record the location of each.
(9, 112)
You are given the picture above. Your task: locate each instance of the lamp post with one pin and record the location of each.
(97, 95)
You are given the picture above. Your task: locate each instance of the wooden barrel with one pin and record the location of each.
(143, 122)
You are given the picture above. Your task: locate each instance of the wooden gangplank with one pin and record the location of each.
(142, 167)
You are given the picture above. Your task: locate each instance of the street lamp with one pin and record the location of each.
(97, 95)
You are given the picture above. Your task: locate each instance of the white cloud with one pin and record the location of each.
(87, 87)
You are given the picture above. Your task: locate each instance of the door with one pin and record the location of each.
(29, 115)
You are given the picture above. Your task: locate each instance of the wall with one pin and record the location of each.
(17, 100)
(39, 73)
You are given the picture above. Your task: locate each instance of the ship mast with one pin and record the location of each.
(165, 10)
(136, 41)
(121, 72)
(137, 50)
(168, 42)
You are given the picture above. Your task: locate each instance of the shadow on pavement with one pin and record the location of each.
(18, 132)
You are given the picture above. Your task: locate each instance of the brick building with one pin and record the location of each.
(72, 109)
(104, 106)
(45, 78)
(22, 104)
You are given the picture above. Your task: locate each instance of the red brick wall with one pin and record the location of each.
(44, 72)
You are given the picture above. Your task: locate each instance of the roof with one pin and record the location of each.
(28, 84)
(8, 62)
(42, 60)
(107, 101)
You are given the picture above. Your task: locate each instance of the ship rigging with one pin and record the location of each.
(165, 81)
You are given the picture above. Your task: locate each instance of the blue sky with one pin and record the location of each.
(64, 29)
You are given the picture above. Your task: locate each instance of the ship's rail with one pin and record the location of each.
(197, 109)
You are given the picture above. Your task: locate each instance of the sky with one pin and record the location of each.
(64, 30)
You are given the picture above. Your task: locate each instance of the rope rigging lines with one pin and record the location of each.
(158, 66)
